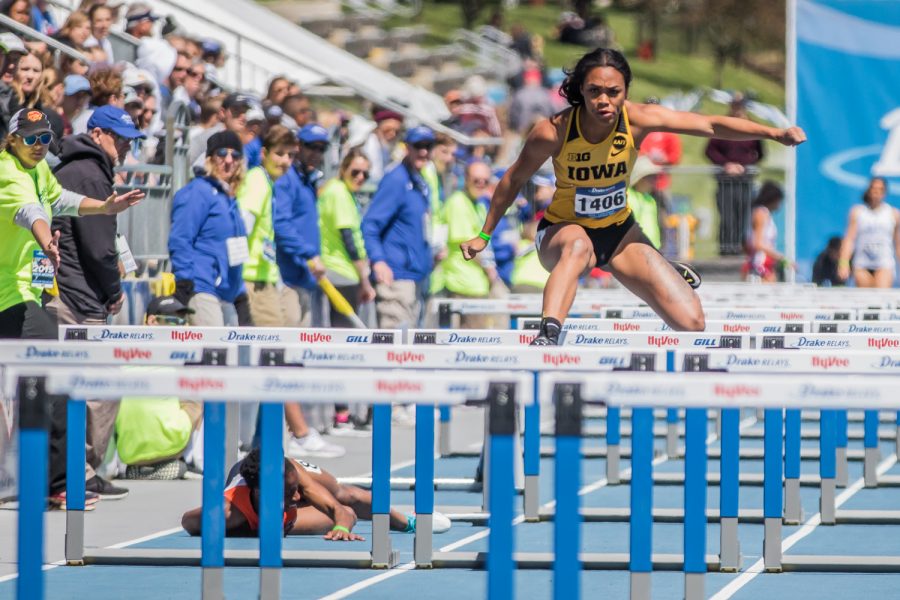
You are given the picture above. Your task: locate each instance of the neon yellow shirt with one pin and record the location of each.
(338, 210)
(646, 213)
(464, 219)
(255, 199)
(20, 187)
(527, 268)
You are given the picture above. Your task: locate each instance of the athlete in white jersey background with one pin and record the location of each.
(872, 238)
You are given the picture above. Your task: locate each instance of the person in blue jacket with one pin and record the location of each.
(296, 219)
(396, 232)
(208, 240)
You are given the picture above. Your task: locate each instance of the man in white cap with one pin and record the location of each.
(139, 20)
(641, 200)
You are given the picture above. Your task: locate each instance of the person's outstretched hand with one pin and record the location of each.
(792, 136)
(116, 204)
(471, 248)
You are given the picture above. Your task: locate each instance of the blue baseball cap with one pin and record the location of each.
(419, 134)
(75, 84)
(116, 120)
(313, 133)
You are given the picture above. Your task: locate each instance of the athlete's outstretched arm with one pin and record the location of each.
(646, 118)
(542, 143)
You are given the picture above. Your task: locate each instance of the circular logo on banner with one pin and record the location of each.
(34, 115)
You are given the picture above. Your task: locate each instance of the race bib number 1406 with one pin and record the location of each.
(596, 203)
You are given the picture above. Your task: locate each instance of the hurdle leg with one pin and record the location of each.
(502, 428)
(897, 442)
(34, 422)
(842, 475)
(424, 494)
(382, 556)
(486, 461)
(613, 441)
(76, 426)
(827, 467)
(772, 488)
(271, 501)
(672, 433)
(641, 529)
(695, 504)
(870, 442)
(444, 448)
(729, 490)
(566, 481)
(531, 499)
(793, 511)
(212, 524)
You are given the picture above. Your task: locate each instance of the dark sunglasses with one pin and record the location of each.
(226, 152)
(196, 74)
(170, 320)
(358, 172)
(480, 181)
(31, 140)
(423, 146)
(320, 148)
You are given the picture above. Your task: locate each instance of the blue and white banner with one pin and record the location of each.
(848, 102)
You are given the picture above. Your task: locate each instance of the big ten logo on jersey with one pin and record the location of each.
(604, 171)
(888, 164)
(578, 156)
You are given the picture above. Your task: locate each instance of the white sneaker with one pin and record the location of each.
(440, 523)
(404, 416)
(313, 445)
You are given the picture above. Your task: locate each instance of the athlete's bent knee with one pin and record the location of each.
(692, 318)
(577, 251)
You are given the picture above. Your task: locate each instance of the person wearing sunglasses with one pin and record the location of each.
(208, 239)
(29, 198)
(396, 232)
(464, 214)
(343, 251)
(297, 239)
(89, 289)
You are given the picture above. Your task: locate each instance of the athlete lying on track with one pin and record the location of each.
(314, 503)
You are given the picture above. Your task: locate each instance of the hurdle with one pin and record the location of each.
(697, 393)
(241, 337)
(443, 357)
(214, 386)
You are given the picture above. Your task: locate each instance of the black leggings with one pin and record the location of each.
(29, 320)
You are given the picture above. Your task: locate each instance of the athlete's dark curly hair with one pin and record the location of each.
(601, 57)
(250, 469)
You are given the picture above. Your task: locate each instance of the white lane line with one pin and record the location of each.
(807, 528)
(406, 567)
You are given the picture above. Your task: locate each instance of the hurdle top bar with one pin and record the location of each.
(278, 385)
(626, 324)
(468, 357)
(711, 390)
(227, 335)
(789, 361)
(663, 340)
(125, 353)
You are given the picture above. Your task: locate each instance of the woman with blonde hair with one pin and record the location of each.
(75, 31)
(28, 86)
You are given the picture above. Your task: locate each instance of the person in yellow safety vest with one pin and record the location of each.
(528, 275)
(438, 174)
(640, 199)
(464, 215)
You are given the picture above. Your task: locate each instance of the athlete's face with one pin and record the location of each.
(876, 192)
(604, 93)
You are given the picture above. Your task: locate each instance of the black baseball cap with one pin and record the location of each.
(237, 100)
(167, 305)
(29, 121)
